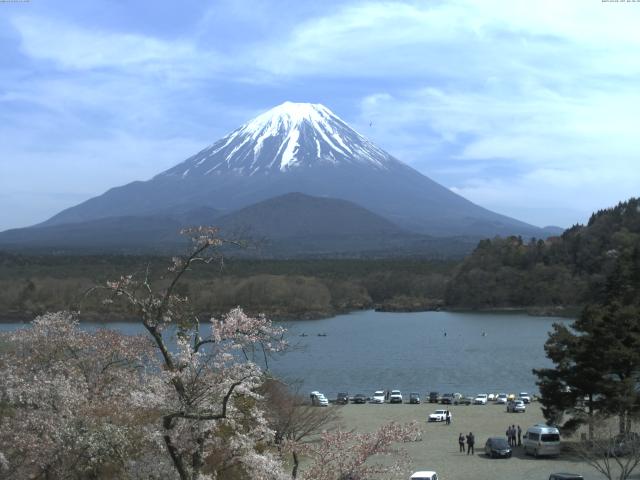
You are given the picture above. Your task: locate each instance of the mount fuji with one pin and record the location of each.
(305, 148)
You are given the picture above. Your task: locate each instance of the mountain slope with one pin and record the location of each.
(301, 148)
(299, 215)
(291, 225)
(125, 233)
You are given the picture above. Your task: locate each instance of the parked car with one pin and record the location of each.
(439, 416)
(424, 475)
(378, 396)
(525, 397)
(516, 406)
(319, 399)
(395, 396)
(497, 447)
(414, 398)
(359, 398)
(491, 397)
(565, 476)
(501, 398)
(481, 399)
(464, 401)
(540, 440)
(511, 396)
(433, 397)
(342, 399)
(447, 399)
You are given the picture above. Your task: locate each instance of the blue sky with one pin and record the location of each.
(527, 108)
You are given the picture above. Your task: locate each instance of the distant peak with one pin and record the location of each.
(300, 108)
(292, 135)
(291, 114)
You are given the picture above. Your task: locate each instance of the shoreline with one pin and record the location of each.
(564, 312)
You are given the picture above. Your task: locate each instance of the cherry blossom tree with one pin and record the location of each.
(344, 455)
(68, 401)
(213, 425)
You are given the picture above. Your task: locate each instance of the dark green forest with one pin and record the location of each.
(566, 271)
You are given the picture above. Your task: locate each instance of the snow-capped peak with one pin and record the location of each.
(290, 135)
(291, 115)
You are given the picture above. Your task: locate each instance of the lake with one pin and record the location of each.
(365, 351)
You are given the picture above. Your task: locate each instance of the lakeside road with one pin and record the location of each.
(438, 450)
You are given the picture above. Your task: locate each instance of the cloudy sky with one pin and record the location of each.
(528, 108)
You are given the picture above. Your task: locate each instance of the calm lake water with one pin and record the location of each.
(366, 351)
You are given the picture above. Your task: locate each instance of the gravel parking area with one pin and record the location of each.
(439, 449)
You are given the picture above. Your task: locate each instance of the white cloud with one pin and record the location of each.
(458, 37)
(72, 47)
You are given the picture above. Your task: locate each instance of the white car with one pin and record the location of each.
(378, 396)
(525, 397)
(501, 398)
(395, 396)
(424, 475)
(439, 416)
(516, 406)
(319, 399)
(481, 399)
(492, 397)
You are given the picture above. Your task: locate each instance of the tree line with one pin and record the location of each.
(32, 285)
(570, 270)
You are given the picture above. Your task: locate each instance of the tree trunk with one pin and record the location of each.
(622, 422)
(197, 459)
(174, 453)
(296, 464)
(590, 413)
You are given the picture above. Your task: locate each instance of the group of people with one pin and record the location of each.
(512, 434)
(471, 441)
(514, 437)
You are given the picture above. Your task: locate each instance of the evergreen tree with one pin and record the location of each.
(597, 359)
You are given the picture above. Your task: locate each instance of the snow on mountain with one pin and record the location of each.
(291, 135)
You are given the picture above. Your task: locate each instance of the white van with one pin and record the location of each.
(541, 439)
(319, 399)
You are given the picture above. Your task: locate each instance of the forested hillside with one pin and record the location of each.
(281, 288)
(546, 276)
(569, 270)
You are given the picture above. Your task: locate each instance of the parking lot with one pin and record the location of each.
(438, 450)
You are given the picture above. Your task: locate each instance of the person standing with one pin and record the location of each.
(461, 442)
(513, 435)
(508, 434)
(448, 418)
(519, 436)
(471, 440)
